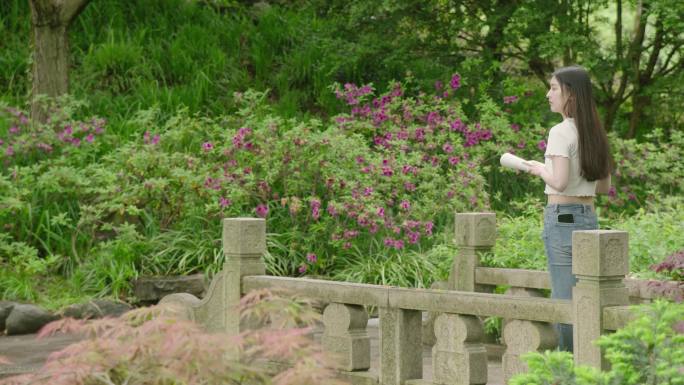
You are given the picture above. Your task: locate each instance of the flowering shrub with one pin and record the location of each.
(372, 189)
(646, 171)
(672, 269)
(152, 346)
(26, 145)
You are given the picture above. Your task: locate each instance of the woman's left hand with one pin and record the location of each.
(535, 168)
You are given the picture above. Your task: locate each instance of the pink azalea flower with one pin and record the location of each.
(381, 212)
(455, 82)
(261, 210)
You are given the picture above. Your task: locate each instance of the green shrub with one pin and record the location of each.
(646, 351)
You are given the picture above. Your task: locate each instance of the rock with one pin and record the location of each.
(5, 310)
(152, 289)
(96, 309)
(25, 319)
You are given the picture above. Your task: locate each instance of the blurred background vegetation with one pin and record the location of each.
(81, 218)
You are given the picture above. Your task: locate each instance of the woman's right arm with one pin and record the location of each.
(603, 185)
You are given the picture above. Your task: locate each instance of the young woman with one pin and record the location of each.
(577, 166)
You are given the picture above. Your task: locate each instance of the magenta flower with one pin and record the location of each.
(90, 138)
(521, 144)
(448, 148)
(413, 237)
(373, 228)
(454, 160)
(9, 151)
(367, 191)
(399, 244)
(76, 142)
(224, 202)
(387, 171)
(515, 127)
(438, 85)
(405, 205)
(311, 257)
(381, 212)
(14, 130)
(389, 242)
(542, 145)
(455, 82)
(510, 99)
(261, 210)
(302, 269)
(612, 192)
(428, 228)
(331, 210)
(155, 140)
(207, 146)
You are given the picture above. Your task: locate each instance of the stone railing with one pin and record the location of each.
(458, 355)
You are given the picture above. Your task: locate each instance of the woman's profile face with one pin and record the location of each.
(555, 96)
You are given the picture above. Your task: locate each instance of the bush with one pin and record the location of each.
(152, 346)
(646, 351)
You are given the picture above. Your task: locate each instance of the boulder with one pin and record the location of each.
(152, 289)
(5, 310)
(98, 308)
(25, 319)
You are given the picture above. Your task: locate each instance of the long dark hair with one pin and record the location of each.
(596, 161)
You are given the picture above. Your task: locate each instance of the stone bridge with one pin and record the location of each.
(448, 317)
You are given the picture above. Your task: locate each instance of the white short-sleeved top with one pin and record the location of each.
(563, 142)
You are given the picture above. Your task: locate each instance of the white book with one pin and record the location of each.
(511, 161)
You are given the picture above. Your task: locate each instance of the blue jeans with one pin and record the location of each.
(560, 220)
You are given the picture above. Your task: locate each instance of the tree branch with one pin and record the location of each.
(71, 8)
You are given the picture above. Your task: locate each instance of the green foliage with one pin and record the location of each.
(646, 351)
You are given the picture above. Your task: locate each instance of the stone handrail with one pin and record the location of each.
(442, 301)
(599, 262)
(537, 279)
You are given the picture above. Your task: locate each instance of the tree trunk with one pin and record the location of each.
(639, 103)
(611, 112)
(50, 21)
(50, 67)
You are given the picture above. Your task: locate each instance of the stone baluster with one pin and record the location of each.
(520, 337)
(345, 335)
(459, 357)
(474, 233)
(600, 261)
(401, 347)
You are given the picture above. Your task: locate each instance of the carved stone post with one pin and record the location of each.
(522, 337)
(459, 357)
(474, 233)
(600, 260)
(345, 335)
(401, 347)
(244, 242)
